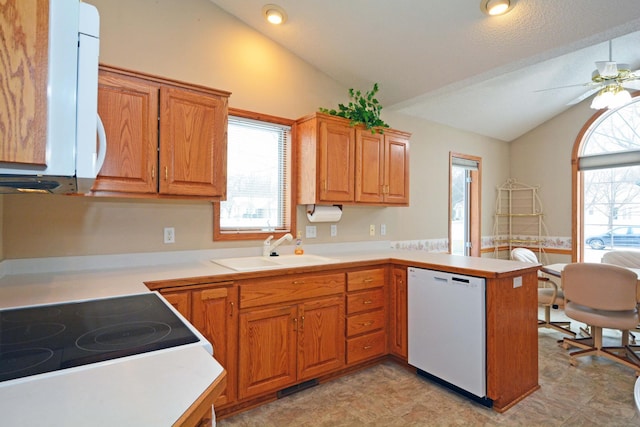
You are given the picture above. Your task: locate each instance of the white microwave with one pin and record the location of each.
(73, 155)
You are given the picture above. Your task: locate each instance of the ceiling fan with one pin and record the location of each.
(610, 80)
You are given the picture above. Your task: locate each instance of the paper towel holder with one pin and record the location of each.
(312, 208)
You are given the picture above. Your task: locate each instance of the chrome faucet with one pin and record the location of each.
(268, 248)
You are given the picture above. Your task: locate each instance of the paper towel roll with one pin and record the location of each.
(324, 213)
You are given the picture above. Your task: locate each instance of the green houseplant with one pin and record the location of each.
(362, 109)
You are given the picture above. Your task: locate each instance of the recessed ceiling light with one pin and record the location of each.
(274, 14)
(496, 7)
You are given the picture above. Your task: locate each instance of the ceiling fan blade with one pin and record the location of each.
(583, 96)
(632, 84)
(564, 87)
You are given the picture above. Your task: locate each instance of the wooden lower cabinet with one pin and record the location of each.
(287, 344)
(398, 313)
(213, 310)
(291, 329)
(366, 315)
(215, 314)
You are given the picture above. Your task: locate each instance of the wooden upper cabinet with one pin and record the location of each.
(164, 138)
(396, 168)
(193, 149)
(342, 164)
(370, 166)
(326, 160)
(24, 49)
(128, 107)
(382, 167)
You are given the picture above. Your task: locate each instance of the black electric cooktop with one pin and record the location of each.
(35, 340)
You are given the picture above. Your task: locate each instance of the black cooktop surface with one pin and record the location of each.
(35, 340)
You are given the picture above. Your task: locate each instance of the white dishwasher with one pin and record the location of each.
(447, 330)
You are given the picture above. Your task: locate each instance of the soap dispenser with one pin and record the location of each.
(298, 250)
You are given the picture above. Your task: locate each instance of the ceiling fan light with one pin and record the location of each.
(622, 97)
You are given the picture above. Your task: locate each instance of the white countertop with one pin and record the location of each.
(79, 278)
(152, 389)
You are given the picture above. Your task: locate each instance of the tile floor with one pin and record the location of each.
(595, 393)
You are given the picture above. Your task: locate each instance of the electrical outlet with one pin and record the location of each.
(383, 229)
(372, 230)
(334, 230)
(312, 231)
(169, 235)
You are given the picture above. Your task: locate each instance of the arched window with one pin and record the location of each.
(606, 190)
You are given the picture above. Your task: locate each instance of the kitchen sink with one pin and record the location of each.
(301, 260)
(265, 263)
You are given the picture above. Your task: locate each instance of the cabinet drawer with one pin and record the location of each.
(364, 301)
(271, 291)
(365, 322)
(365, 279)
(365, 347)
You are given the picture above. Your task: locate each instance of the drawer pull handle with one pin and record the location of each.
(367, 347)
(231, 311)
(295, 324)
(302, 322)
(367, 301)
(367, 323)
(368, 280)
(298, 282)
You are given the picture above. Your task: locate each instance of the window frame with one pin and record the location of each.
(218, 233)
(577, 185)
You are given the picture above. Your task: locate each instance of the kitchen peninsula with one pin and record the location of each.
(206, 292)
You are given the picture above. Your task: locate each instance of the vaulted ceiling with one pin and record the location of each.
(447, 62)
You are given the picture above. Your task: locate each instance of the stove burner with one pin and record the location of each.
(112, 308)
(40, 339)
(31, 332)
(20, 360)
(123, 335)
(36, 314)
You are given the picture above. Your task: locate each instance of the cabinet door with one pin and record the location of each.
(215, 315)
(129, 110)
(337, 163)
(370, 152)
(396, 175)
(321, 330)
(267, 350)
(398, 329)
(193, 147)
(181, 301)
(23, 77)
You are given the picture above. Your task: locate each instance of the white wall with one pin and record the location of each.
(194, 41)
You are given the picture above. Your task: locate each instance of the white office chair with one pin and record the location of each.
(549, 294)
